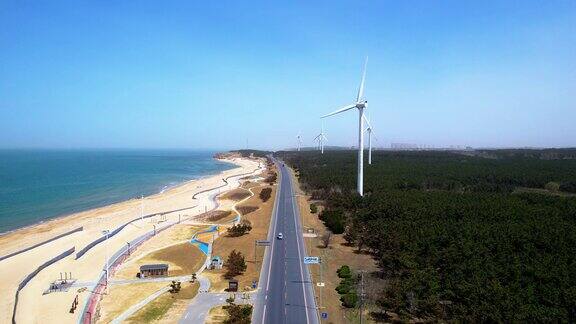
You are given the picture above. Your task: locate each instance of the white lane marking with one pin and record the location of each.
(298, 244)
(273, 238)
(271, 257)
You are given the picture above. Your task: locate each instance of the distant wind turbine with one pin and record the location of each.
(369, 130)
(361, 104)
(321, 138)
(299, 141)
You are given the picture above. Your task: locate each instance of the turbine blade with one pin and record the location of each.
(361, 88)
(339, 111)
(367, 121)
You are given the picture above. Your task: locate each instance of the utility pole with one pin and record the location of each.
(107, 232)
(361, 293)
(321, 283)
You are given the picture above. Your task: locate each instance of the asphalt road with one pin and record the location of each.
(286, 293)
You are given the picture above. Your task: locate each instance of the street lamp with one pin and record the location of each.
(107, 233)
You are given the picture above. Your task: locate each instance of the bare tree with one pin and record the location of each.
(325, 239)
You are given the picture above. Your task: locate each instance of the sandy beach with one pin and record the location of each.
(33, 306)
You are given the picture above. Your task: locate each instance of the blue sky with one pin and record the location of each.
(213, 74)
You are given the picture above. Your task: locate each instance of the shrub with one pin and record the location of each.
(240, 229)
(325, 239)
(552, 186)
(235, 264)
(345, 286)
(245, 210)
(342, 288)
(265, 194)
(344, 272)
(271, 179)
(313, 208)
(349, 300)
(238, 314)
(334, 220)
(175, 286)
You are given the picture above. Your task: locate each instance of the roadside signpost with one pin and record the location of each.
(311, 260)
(316, 260)
(260, 243)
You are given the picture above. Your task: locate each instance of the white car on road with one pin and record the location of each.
(280, 236)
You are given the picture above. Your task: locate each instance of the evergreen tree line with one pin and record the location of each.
(452, 238)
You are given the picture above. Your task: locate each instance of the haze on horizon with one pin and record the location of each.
(217, 74)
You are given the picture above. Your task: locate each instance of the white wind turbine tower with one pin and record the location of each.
(299, 141)
(369, 130)
(361, 104)
(321, 138)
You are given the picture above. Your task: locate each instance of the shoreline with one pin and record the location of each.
(95, 221)
(165, 189)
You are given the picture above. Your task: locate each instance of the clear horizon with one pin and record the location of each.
(228, 75)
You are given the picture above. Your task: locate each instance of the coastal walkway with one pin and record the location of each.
(116, 260)
(204, 300)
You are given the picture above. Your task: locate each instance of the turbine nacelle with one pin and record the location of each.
(362, 104)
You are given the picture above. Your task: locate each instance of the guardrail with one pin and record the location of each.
(113, 262)
(4, 257)
(29, 277)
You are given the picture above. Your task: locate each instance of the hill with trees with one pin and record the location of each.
(454, 237)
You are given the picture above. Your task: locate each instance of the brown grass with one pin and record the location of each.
(121, 297)
(245, 210)
(182, 259)
(333, 257)
(214, 215)
(217, 315)
(182, 232)
(168, 308)
(260, 220)
(236, 194)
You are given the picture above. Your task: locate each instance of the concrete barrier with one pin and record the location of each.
(29, 277)
(41, 243)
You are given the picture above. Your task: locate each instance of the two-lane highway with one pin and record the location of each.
(286, 293)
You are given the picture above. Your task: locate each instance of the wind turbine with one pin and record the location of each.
(369, 130)
(299, 141)
(361, 104)
(321, 138)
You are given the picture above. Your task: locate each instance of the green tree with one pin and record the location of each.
(235, 264)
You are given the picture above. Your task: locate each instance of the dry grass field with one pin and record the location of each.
(235, 195)
(217, 315)
(182, 259)
(333, 257)
(168, 308)
(260, 221)
(121, 297)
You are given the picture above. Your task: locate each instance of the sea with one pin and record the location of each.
(38, 185)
